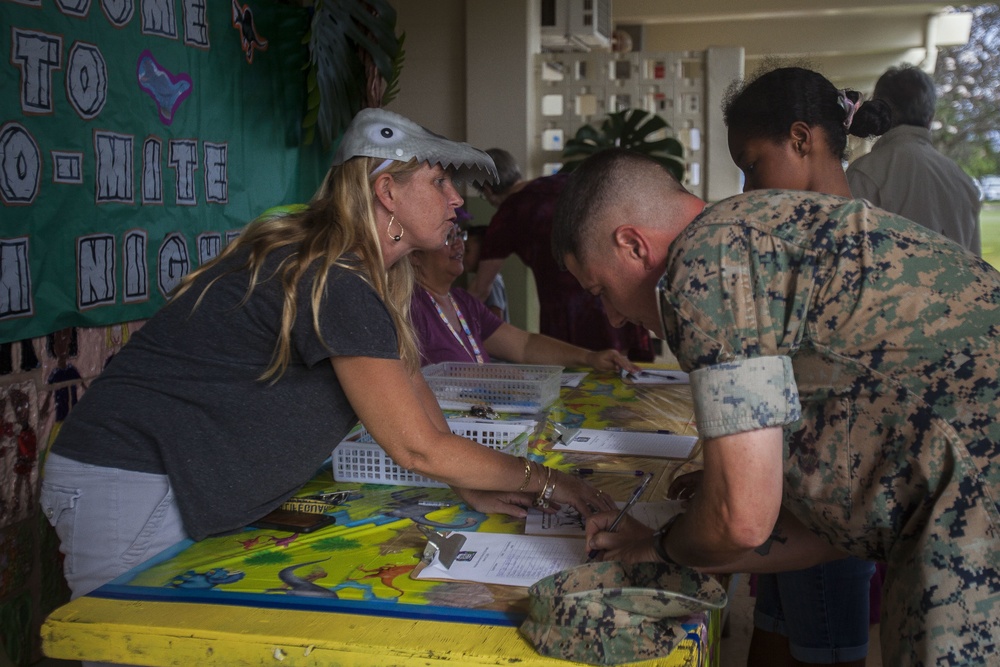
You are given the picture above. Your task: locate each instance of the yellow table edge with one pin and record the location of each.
(99, 629)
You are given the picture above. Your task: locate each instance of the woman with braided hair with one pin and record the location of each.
(788, 129)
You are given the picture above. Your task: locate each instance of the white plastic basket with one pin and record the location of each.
(518, 388)
(358, 458)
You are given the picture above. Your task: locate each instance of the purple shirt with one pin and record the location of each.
(437, 342)
(522, 226)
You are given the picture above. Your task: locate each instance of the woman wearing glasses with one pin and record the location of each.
(453, 325)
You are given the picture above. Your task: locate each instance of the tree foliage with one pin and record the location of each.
(634, 129)
(968, 85)
(354, 62)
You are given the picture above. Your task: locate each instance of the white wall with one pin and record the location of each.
(432, 86)
(502, 38)
(467, 75)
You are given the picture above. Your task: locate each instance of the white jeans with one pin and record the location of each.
(108, 520)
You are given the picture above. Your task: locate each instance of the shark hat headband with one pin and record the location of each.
(383, 134)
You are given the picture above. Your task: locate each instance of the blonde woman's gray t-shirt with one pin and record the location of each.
(184, 397)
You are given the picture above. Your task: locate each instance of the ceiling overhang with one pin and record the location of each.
(850, 41)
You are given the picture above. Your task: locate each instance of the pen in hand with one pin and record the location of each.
(624, 510)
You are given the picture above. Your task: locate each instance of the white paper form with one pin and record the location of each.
(660, 444)
(510, 560)
(567, 521)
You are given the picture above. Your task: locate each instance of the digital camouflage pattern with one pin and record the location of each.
(608, 613)
(894, 337)
(744, 395)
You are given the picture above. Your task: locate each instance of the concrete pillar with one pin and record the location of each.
(502, 39)
(723, 65)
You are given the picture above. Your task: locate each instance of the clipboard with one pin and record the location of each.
(444, 548)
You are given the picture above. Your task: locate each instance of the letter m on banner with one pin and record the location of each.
(15, 279)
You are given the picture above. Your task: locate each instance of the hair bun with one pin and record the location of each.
(872, 119)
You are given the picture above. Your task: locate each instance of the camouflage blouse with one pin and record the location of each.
(875, 343)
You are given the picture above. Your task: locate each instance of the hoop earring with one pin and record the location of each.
(394, 237)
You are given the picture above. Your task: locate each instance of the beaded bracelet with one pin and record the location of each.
(548, 488)
(527, 474)
(659, 536)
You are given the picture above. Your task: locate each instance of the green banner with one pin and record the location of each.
(137, 137)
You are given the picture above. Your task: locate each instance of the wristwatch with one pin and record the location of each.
(659, 536)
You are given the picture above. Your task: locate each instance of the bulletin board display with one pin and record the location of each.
(136, 140)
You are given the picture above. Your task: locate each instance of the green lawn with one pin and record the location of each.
(989, 220)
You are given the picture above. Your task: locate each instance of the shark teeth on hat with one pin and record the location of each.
(383, 134)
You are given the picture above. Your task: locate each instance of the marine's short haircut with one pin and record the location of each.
(601, 181)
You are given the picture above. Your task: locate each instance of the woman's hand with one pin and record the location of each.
(580, 495)
(610, 360)
(632, 541)
(569, 489)
(512, 503)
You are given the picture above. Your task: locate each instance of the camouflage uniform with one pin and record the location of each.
(888, 337)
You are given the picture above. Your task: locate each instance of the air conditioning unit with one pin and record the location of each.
(576, 25)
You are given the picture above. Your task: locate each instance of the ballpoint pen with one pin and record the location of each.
(673, 375)
(621, 429)
(624, 510)
(608, 471)
(669, 375)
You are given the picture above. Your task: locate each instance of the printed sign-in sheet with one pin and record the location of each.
(511, 560)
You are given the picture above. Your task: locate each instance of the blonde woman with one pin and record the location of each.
(232, 396)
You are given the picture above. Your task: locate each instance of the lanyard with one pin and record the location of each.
(475, 354)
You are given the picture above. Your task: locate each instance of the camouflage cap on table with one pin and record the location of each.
(610, 613)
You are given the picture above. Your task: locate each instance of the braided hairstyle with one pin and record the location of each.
(766, 106)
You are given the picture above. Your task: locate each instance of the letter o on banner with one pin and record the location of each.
(87, 80)
(20, 165)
